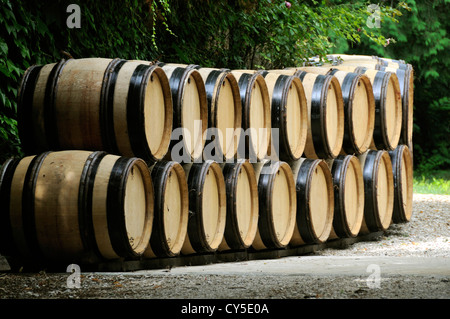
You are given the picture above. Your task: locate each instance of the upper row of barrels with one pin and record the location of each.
(134, 108)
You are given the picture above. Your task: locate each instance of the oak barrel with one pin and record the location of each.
(207, 207)
(288, 115)
(6, 174)
(140, 93)
(190, 113)
(315, 201)
(78, 206)
(379, 190)
(30, 108)
(377, 63)
(394, 63)
(325, 113)
(359, 57)
(405, 75)
(406, 83)
(346, 57)
(256, 119)
(224, 112)
(242, 205)
(388, 106)
(171, 209)
(371, 64)
(402, 168)
(277, 204)
(359, 108)
(348, 185)
(118, 106)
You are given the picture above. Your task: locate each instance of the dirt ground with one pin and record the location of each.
(334, 274)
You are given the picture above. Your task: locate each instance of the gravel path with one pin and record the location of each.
(427, 236)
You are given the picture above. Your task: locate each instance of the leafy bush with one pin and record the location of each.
(421, 38)
(436, 183)
(261, 34)
(37, 33)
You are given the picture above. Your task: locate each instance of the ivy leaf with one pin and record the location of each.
(3, 48)
(4, 70)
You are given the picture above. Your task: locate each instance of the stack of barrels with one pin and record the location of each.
(132, 160)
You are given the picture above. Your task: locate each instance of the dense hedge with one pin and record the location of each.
(228, 33)
(263, 34)
(421, 38)
(36, 32)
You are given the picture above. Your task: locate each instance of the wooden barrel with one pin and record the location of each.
(371, 64)
(345, 57)
(402, 169)
(139, 92)
(224, 112)
(325, 113)
(359, 108)
(171, 210)
(388, 106)
(79, 206)
(339, 59)
(315, 201)
(369, 59)
(207, 207)
(256, 119)
(277, 204)
(190, 113)
(379, 190)
(7, 247)
(178, 65)
(394, 63)
(288, 114)
(118, 106)
(348, 196)
(406, 82)
(30, 108)
(405, 75)
(390, 60)
(242, 205)
(377, 62)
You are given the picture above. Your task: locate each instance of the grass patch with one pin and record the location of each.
(437, 182)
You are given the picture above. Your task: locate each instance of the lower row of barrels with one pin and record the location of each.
(88, 207)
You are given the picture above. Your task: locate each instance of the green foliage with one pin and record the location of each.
(421, 39)
(36, 33)
(436, 183)
(262, 34)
